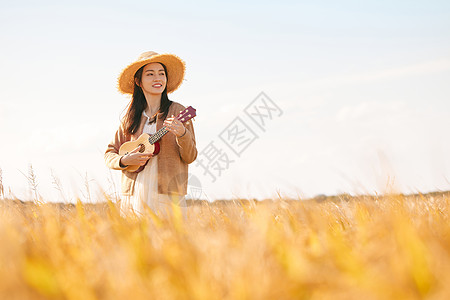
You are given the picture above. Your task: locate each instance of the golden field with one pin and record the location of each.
(384, 247)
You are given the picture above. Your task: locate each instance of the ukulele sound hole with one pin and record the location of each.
(142, 148)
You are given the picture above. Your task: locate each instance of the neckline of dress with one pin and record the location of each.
(145, 114)
(151, 121)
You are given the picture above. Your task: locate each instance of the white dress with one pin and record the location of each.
(146, 189)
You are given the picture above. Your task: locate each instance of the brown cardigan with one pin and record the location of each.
(173, 158)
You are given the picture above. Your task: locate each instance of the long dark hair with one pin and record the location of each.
(138, 104)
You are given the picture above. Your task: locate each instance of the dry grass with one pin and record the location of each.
(392, 247)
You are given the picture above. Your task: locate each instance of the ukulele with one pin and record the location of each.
(149, 143)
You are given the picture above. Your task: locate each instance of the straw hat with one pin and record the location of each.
(174, 65)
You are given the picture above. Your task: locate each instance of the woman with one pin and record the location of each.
(164, 179)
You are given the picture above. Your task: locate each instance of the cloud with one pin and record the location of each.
(366, 109)
(422, 68)
(4, 112)
(65, 139)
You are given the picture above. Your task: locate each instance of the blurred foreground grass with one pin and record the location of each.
(390, 247)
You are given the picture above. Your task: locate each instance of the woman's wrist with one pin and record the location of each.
(122, 165)
(184, 132)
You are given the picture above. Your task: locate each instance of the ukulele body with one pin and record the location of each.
(146, 147)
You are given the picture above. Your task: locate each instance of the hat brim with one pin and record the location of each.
(175, 72)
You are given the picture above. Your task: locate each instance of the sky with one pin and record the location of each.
(356, 93)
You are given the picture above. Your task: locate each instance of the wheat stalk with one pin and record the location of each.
(32, 183)
(58, 186)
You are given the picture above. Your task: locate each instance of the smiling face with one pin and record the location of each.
(153, 79)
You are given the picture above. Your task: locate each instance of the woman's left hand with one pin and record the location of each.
(175, 126)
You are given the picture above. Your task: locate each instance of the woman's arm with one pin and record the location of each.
(112, 157)
(184, 134)
(188, 149)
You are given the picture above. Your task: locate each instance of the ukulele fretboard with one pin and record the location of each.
(184, 116)
(157, 135)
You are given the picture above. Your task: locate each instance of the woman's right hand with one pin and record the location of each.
(135, 158)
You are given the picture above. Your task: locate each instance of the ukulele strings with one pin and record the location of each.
(160, 133)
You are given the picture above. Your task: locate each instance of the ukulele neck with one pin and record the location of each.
(184, 116)
(157, 135)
